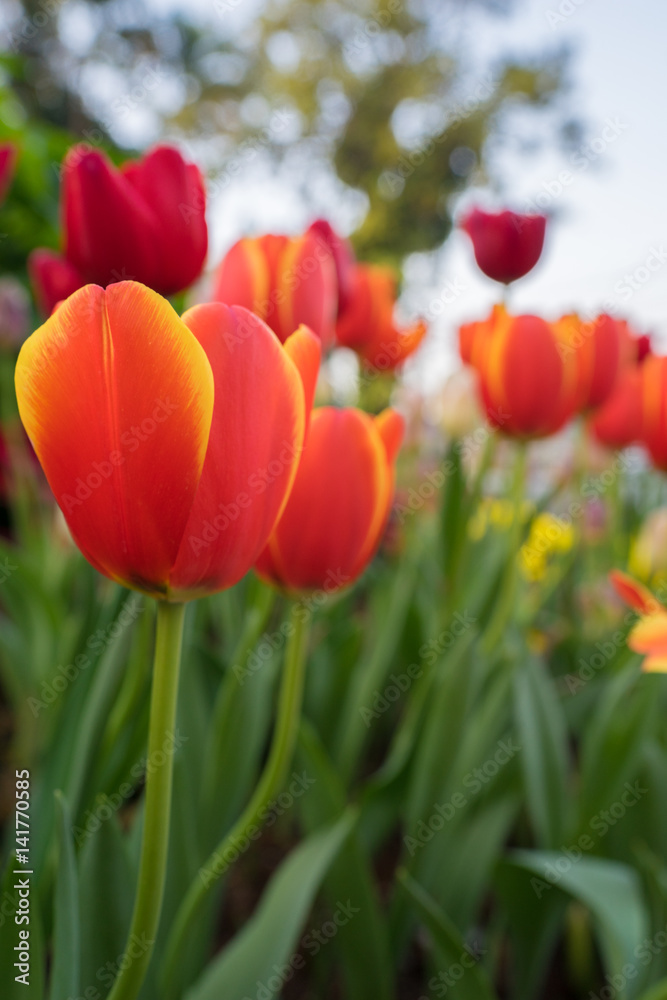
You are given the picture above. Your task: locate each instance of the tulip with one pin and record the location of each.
(521, 376)
(648, 556)
(287, 282)
(617, 423)
(170, 444)
(338, 507)
(506, 245)
(53, 279)
(343, 258)
(144, 221)
(596, 353)
(653, 400)
(367, 324)
(649, 636)
(8, 154)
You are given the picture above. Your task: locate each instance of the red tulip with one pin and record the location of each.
(617, 423)
(144, 222)
(596, 353)
(284, 281)
(653, 393)
(367, 324)
(522, 378)
(506, 245)
(343, 258)
(53, 279)
(339, 504)
(170, 444)
(8, 154)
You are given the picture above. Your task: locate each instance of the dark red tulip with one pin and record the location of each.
(8, 154)
(144, 221)
(53, 279)
(343, 257)
(506, 245)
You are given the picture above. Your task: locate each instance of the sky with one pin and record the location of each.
(606, 244)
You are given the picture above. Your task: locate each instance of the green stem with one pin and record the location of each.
(270, 783)
(504, 606)
(153, 863)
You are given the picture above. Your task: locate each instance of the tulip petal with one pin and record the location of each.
(256, 438)
(306, 284)
(243, 278)
(53, 279)
(390, 425)
(634, 593)
(305, 350)
(650, 635)
(117, 397)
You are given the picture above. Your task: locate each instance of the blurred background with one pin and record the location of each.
(388, 118)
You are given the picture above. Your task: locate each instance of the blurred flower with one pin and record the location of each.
(343, 258)
(53, 279)
(617, 423)
(506, 245)
(648, 554)
(653, 400)
(8, 155)
(284, 281)
(522, 379)
(339, 505)
(170, 455)
(367, 324)
(458, 407)
(14, 312)
(594, 354)
(496, 513)
(549, 536)
(649, 636)
(144, 221)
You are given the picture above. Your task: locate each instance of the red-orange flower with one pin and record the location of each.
(343, 258)
(284, 281)
(649, 636)
(367, 323)
(8, 153)
(596, 352)
(617, 423)
(145, 221)
(506, 245)
(653, 392)
(522, 378)
(338, 507)
(170, 444)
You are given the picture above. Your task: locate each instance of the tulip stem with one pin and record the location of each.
(155, 840)
(270, 783)
(504, 605)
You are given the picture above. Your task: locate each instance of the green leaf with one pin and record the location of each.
(610, 890)
(364, 946)
(657, 992)
(451, 952)
(66, 967)
(268, 941)
(106, 896)
(9, 938)
(543, 738)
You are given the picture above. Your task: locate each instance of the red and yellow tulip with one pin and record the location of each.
(338, 507)
(649, 636)
(287, 282)
(145, 222)
(367, 326)
(170, 444)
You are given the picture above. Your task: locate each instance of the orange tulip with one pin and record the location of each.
(333, 520)
(596, 353)
(170, 444)
(649, 636)
(653, 392)
(617, 423)
(366, 324)
(522, 378)
(286, 282)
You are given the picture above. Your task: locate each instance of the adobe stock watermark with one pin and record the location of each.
(238, 845)
(644, 953)
(599, 825)
(446, 979)
(66, 674)
(107, 806)
(563, 12)
(429, 653)
(131, 440)
(473, 783)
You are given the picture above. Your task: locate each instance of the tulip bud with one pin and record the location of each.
(343, 258)
(507, 246)
(53, 279)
